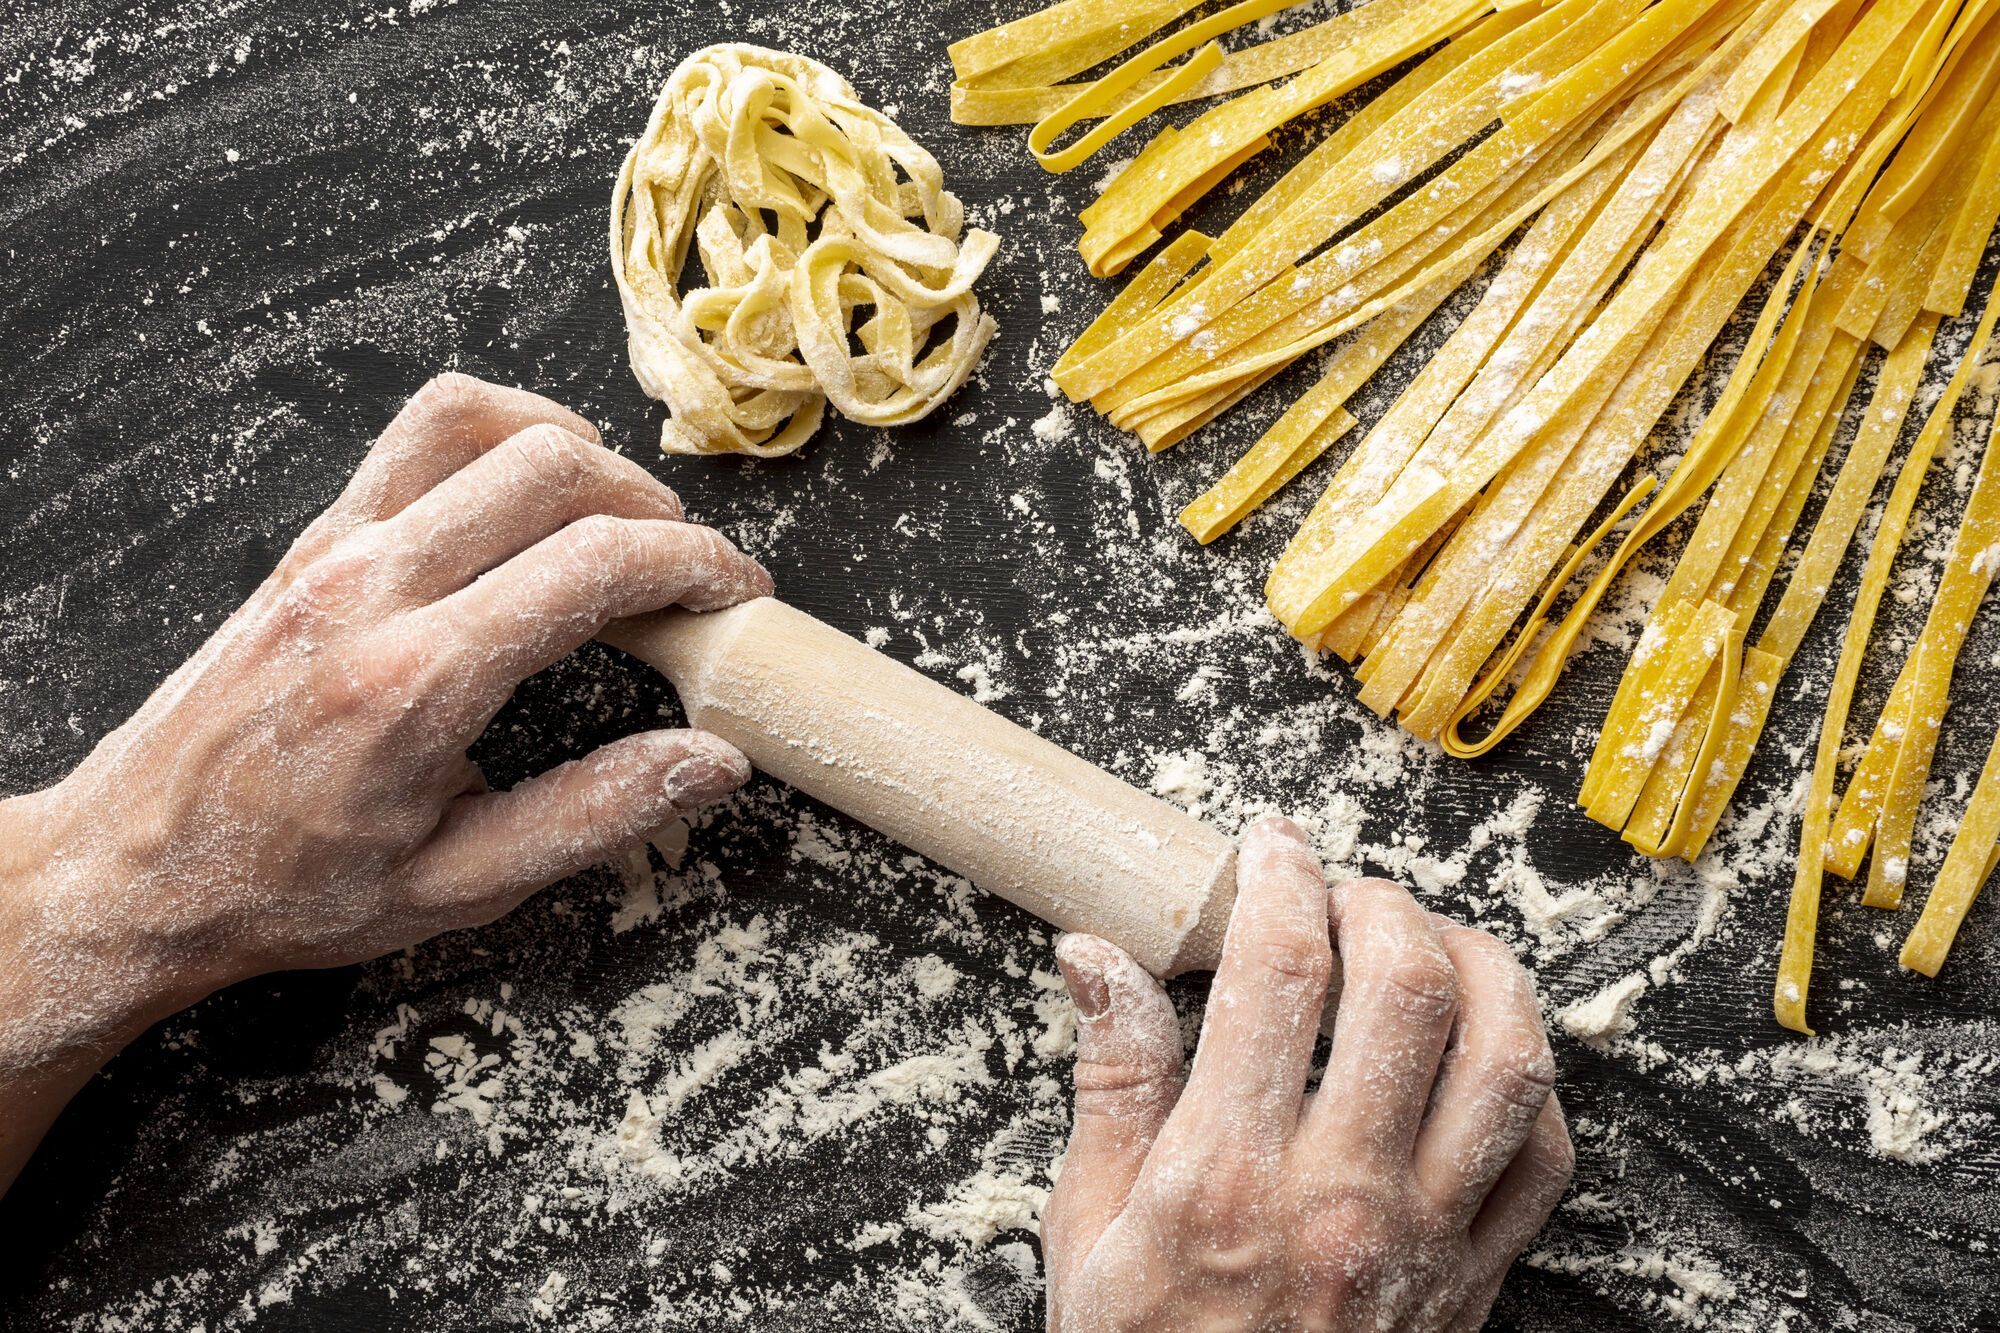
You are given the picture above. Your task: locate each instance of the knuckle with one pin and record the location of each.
(1224, 1196)
(1369, 905)
(549, 458)
(328, 586)
(1120, 1089)
(374, 674)
(1557, 1163)
(1294, 954)
(1115, 1076)
(1347, 1241)
(1371, 892)
(708, 569)
(1492, 952)
(1053, 1225)
(449, 392)
(599, 820)
(707, 547)
(1422, 985)
(390, 665)
(1523, 1074)
(602, 550)
(1208, 1191)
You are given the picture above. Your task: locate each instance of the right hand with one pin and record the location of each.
(1395, 1196)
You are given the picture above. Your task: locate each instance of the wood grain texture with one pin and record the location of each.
(921, 764)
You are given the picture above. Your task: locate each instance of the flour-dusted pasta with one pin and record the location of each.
(1626, 174)
(1802, 916)
(809, 210)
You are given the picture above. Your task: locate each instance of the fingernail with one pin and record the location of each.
(714, 769)
(697, 781)
(1084, 975)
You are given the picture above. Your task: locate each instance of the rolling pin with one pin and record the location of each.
(1018, 816)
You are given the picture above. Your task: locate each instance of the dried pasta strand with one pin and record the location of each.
(1549, 659)
(1311, 424)
(1139, 85)
(1064, 39)
(1655, 824)
(1251, 267)
(1141, 294)
(1723, 440)
(1733, 737)
(1152, 191)
(1285, 337)
(1421, 496)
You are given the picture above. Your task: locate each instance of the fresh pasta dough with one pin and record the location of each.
(1626, 172)
(809, 211)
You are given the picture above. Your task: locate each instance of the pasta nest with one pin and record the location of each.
(810, 211)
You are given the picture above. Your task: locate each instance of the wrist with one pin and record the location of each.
(80, 976)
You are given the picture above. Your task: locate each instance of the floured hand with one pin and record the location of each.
(298, 793)
(1394, 1196)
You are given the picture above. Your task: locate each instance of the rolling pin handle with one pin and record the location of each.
(1017, 815)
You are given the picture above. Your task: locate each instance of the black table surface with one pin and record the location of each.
(239, 232)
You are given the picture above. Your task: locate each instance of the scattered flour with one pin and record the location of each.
(776, 1073)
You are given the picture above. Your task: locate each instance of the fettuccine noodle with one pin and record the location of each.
(807, 208)
(1625, 172)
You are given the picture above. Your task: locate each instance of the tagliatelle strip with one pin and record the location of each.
(1549, 493)
(1765, 664)
(1258, 264)
(1612, 340)
(1138, 86)
(1741, 432)
(1302, 434)
(748, 363)
(1455, 374)
(1969, 864)
(1637, 165)
(1880, 805)
(1141, 294)
(1761, 483)
(1732, 736)
(1802, 914)
(1155, 188)
(1312, 424)
(1067, 37)
(1310, 328)
(1028, 90)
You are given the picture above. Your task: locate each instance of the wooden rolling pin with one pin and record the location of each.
(925, 765)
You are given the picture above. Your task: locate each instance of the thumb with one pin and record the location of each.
(492, 850)
(1128, 1076)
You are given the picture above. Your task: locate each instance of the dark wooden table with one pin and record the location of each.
(238, 232)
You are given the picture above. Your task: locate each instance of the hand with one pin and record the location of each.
(298, 793)
(1393, 1197)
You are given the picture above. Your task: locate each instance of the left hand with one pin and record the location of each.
(298, 793)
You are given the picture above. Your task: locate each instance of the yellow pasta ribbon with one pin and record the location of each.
(1802, 914)
(1975, 848)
